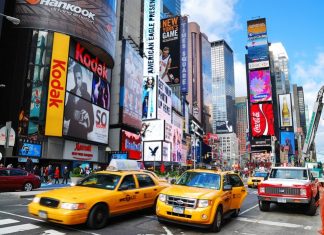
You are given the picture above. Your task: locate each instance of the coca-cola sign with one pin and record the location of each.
(262, 120)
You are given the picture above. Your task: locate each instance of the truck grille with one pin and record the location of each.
(181, 201)
(283, 190)
(49, 202)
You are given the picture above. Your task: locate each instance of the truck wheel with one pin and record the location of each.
(311, 207)
(217, 224)
(264, 206)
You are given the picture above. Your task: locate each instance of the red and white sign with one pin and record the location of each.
(12, 137)
(131, 143)
(262, 120)
(80, 151)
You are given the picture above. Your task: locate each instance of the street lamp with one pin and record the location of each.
(13, 20)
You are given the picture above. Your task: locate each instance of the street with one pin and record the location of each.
(14, 219)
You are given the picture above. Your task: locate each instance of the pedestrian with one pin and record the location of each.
(50, 173)
(56, 175)
(46, 174)
(36, 171)
(66, 175)
(29, 165)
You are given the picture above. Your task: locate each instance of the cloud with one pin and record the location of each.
(240, 78)
(216, 18)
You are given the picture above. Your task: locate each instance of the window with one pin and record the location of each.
(145, 181)
(17, 172)
(128, 182)
(4, 173)
(235, 181)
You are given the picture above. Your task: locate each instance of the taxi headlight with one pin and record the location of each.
(303, 192)
(262, 189)
(162, 197)
(73, 206)
(36, 199)
(203, 203)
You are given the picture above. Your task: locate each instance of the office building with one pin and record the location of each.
(228, 144)
(242, 122)
(170, 8)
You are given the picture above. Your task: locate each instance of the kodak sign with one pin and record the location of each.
(57, 84)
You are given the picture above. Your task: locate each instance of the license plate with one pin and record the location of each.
(178, 210)
(42, 214)
(282, 200)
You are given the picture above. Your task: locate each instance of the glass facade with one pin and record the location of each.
(170, 8)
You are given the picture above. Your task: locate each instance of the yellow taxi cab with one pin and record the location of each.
(202, 198)
(257, 178)
(99, 196)
(152, 173)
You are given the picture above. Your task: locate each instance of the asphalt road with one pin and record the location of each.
(14, 219)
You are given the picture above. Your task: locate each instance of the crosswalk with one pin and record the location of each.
(8, 226)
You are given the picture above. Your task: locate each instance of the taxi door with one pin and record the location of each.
(227, 194)
(127, 198)
(239, 192)
(148, 189)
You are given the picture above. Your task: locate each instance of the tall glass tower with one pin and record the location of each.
(170, 8)
(222, 63)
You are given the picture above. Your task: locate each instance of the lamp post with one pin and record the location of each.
(13, 20)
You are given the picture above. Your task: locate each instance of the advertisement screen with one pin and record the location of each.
(260, 86)
(152, 130)
(170, 54)
(132, 88)
(152, 151)
(30, 150)
(287, 142)
(93, 21)
(164, 102)
(119, 156)
(262, 120)
(258, 53)
(100, 92)
(131, 143)
(285, 110)
(224, 127)
(256, 29)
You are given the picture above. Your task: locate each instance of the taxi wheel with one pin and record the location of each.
(264, 206)
(217, 224)
(28, 186)
(98, 217)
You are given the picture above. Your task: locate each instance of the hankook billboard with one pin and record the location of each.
(93, 21)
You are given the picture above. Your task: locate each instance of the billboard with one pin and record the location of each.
(170, 50)
(93, 21)
(224, 127)
(259, 64)
(287, 142)
(260, 86)
(164, 101)
(176, 144)
(131, 90)
(56, 87)
(80, 151)
(152, 151)
(262, 120)
(184, 54)
(152, 130)
(149, 97)
(258, 53)
(285, 110)
(168, 132)
(132, 144)
(166, 152)
(257, 29)
(29, 149)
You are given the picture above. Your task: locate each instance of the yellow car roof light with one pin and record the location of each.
(123, 165)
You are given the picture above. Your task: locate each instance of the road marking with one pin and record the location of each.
(273, 223)
(8, 221)
(52, 232)
(18, 228)
(248, 209)
(168, 232)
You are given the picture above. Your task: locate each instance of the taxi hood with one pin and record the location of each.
(75, 193)
(190, 192)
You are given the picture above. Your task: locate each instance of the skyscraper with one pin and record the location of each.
(299, 108)
(170, 8)
(223, 87)
(241, 122)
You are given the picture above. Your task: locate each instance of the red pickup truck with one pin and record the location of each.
(289, 185)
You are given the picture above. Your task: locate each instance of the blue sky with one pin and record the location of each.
(297, 24)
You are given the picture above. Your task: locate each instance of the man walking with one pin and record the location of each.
(66, 174)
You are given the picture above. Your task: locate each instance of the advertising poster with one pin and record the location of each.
(29, 149)
(92, 21)
(262, 120)
(224, 127)
(285, 110)
(260, 86)
(168, 132)
(258, 53)
(149, 98)
(287, 142)
(170, 50)
(184, 54)
(132, 144)
(256, 29)
(132, 87)
(176, 144)
(152, 130)
(80, 151)
(100, 92)
(164, 102)
(152, 151)
(166, 152)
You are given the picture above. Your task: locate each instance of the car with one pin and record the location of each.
(257, 178)
(202, 198)
(155, 175)
(98, 197)
(18, 179)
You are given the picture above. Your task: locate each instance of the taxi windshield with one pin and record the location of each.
(261, 174)
(200, 180)
(104, 181)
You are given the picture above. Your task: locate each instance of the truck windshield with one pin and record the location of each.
(200, 180)
(300, 174)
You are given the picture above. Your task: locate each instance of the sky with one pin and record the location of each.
(297, 24)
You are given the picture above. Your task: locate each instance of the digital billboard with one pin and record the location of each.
(164, 101)
(256, 29)
(131, 89)
(152, 130)
(262, 120)
(260, 86)
(132, 144)
(285, 110)
(149, 98)
(29, 149)
(152, 151)
(170, 50)
(184, 54)
(258, 53)
(287, 142)
(93, 21)
(224, 127)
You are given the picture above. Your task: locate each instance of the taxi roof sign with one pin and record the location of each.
(123, 165)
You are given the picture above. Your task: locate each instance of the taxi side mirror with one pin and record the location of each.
(123, 187)
(227, 187)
